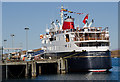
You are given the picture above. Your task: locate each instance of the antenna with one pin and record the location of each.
(91, 23)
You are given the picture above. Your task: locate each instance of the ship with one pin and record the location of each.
(85, 48)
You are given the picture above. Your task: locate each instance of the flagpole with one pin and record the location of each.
(61, 17)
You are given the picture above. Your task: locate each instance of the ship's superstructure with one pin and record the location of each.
(85, 48)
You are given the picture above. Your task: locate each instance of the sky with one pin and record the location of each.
(60, 0)
(38, 15)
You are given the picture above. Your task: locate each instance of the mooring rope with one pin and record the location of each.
(10, 73)
(21, 71)
(18, 74)
(71, 55)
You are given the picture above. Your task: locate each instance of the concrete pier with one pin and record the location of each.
(34, 68)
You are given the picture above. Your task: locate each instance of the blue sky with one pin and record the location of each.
(36, 15)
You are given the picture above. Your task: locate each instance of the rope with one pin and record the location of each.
(21, 71)
(18, 75)
(71, 55)
(11, 73)
(78, 56)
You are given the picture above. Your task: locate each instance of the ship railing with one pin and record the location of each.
(81, 31)
(96, 29)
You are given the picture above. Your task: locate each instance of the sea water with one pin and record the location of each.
(112, 75)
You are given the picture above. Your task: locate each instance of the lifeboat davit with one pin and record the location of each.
(68, 23)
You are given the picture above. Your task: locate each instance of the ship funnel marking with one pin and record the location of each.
(68, 23)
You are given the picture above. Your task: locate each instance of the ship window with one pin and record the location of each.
(54, 38)
(92, 29)
(72, 33)
(92, 44)
(45, 41)
(82, 29)
(67, 37)
(76, 34)
(80, 34)
(51, 39)
(85, 44)
(105, 44)
(65, 45)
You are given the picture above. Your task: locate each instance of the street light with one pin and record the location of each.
(26, 28)
(5, 45)
(12, 35)
(1, 51)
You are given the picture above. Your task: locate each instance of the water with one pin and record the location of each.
(112, 75)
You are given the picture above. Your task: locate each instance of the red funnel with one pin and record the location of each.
(68, 24)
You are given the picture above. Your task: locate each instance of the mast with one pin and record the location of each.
(61, 17)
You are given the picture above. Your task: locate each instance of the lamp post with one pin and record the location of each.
(26, 28)
(5, 44)
(1, 52)
(12, 35)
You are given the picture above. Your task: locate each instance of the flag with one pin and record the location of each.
(86, 17)
(70, 11)
(65, 10)
(79, 13)
(41, 36)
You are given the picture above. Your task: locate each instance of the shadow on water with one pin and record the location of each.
(76, 76)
